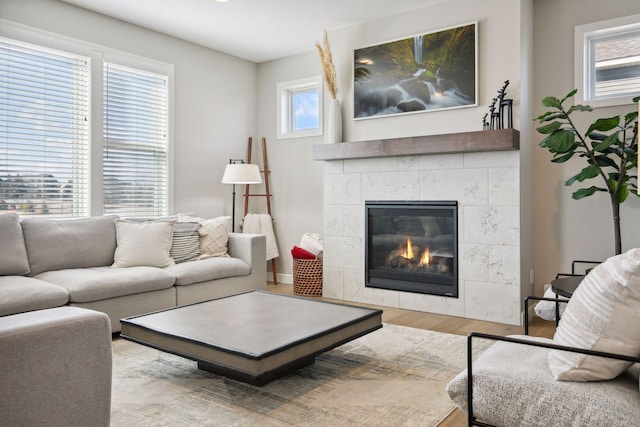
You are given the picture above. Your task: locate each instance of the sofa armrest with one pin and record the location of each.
(471, 418)
(252, 249)
(56, 368)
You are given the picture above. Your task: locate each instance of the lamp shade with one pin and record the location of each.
(241, 173)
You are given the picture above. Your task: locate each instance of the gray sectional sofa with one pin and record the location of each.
(46, 263)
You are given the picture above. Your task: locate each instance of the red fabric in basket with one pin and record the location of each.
(300, 253)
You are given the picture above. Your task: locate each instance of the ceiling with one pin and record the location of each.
(256, 30)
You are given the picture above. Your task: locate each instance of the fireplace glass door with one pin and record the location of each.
(412, 246)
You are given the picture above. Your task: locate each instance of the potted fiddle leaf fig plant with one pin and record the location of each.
(609, 147)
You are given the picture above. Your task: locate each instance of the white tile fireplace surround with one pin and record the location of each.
(485, 185)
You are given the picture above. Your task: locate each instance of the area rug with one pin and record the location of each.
(395, 376)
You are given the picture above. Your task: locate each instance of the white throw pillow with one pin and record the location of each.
(603, 314)
(143, 243)
(214, 237)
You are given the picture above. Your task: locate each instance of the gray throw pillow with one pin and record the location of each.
(186, 242)
(13, 253)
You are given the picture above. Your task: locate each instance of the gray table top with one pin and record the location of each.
(254, 323)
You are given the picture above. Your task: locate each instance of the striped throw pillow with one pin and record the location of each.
(186, 242)
(604, 315)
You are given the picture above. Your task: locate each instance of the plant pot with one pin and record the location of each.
(334, 131)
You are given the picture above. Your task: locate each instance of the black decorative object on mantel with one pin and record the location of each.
(499, 109)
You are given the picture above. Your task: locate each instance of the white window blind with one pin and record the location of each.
(135, 146)
(44, 131)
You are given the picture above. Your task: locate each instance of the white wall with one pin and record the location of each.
(567, 229)
(297, 180)
(298, 192)
(214, 105)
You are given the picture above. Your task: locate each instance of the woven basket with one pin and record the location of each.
(307, 277)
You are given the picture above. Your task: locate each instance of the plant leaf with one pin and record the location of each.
(561, 141)
(622, 192)
(551, 101)
(588, 172)
(603, 125)
(604, 161)
(608, 141)
(579, 107)
(542, 116)
(549, 128)
(585, 192)
(569, 95)
(563, 158)
(550, 115)
(629, 117)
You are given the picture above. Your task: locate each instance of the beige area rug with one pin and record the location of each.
(395, 376)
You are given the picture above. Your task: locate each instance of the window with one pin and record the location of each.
(135, 142)
(44, 131)
(608, 61)
(64, 104)
(299, 108)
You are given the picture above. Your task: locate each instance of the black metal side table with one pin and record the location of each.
(565, 286)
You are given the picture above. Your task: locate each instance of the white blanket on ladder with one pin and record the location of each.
(262, 224)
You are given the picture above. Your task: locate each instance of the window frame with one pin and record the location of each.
(98, 55)
(584, 61)
(285, 93)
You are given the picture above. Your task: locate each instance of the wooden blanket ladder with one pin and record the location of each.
(267, 194)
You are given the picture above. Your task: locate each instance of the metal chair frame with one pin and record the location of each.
(472, 421)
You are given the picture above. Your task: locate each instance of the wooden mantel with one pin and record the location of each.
(463, 142)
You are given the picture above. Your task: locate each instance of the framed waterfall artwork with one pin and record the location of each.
(426, 72)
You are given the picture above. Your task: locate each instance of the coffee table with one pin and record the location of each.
(253, 337)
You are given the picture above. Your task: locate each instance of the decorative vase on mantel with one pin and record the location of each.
(334, 131)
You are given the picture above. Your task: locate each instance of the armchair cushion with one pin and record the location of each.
(600, 316)
(512, 386)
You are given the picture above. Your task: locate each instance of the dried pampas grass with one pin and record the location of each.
(328, 69)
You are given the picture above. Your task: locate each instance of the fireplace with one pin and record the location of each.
(412, 246)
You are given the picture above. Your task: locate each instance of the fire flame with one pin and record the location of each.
(425, 258)
(408, 253)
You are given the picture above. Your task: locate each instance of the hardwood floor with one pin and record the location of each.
(446, 324)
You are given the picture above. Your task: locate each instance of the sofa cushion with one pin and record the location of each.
(19, 294)
(98, 283)
(512, 386)
(599, 316)
(208, 269)
(143, 243)
(56, 244)
(13, 253)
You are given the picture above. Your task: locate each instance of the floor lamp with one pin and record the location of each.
(239, 172)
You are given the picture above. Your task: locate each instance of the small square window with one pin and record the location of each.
(299, 108)
(607, 65)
